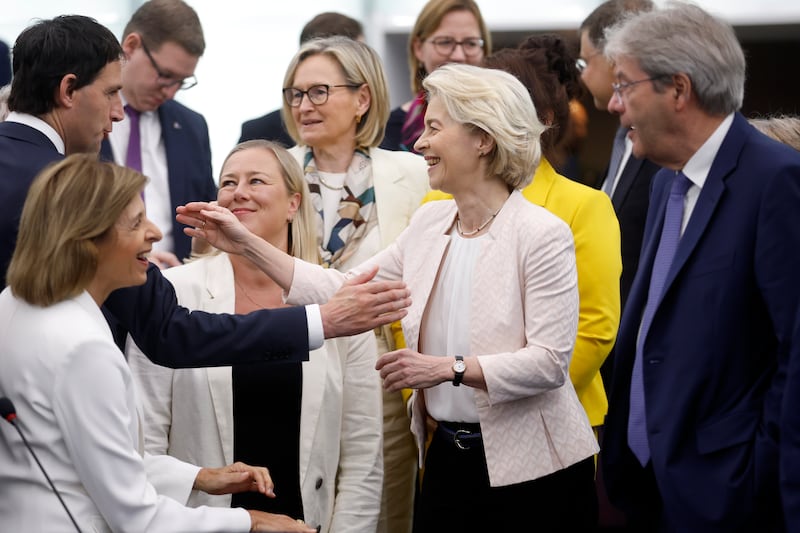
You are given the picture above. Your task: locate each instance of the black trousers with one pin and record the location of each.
(456, 496)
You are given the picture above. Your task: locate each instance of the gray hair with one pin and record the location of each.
(785, 128)
(497, 103)
(683, 38)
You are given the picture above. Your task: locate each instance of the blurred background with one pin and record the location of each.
(250, 42)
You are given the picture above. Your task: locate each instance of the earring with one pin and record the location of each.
(358, 119)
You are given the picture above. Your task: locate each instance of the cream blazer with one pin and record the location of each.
(400, 180)
(189, 413)
(77, 407)
(523, 322)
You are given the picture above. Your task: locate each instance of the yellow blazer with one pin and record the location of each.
(590, 216)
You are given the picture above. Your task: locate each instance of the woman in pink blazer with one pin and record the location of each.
(492, 322)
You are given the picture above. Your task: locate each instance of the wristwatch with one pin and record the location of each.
(459, 367)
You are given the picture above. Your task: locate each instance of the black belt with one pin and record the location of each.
(462, 435)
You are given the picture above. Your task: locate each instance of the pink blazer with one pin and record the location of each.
(524, 319)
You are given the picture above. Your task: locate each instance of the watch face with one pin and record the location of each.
(459, 366)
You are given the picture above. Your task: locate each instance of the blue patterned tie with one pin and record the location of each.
(670, 236)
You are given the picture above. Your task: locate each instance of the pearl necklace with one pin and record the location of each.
(478, 230)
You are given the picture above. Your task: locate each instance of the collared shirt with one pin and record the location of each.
(699, 165)
(39, 125)
(626, 155)
(154, 166)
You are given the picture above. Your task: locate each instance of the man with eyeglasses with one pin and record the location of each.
(693, 429)
(627, 180)
(160, 137)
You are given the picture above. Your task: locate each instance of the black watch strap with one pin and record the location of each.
(458, 369)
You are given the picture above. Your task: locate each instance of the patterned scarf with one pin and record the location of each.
(356, 215)
(414, 123)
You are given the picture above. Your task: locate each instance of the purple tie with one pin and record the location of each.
(670, 236)
(134, 158)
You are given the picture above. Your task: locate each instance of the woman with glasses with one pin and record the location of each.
(316, 426)
(446, 31)
(492, 322)
(335, 107)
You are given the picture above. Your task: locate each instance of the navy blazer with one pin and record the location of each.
(186, 143)
(269, 127)
(716, 351)
(790, 437)
(166, 332)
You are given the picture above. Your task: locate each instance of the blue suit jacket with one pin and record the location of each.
(166, 332)
(185, 135)
(715, 354)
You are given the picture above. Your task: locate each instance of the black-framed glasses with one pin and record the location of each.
(471, 46)
(620, 87)
(168, 80)
(317, 94)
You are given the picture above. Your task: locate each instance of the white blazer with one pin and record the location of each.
(401, 182)
(524, 315)
(76, 403)
(189, 413)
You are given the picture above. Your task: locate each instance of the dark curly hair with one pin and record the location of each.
(545, 66)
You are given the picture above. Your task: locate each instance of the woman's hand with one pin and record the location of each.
(277, 523)
(215, 224)
(409, 369)
(237, 477)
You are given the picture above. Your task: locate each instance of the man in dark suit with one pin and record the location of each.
(691, 440)
(64, 99)
(628, 178)
(168, 142)
(270, 126)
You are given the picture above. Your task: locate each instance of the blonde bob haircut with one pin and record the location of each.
(360, 65)
(496, 103)
(302, 234)
(428, 21)
(70, 207)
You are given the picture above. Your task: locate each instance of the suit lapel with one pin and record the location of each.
(175, 146)
(314, 376)
(387, 179)
(420, 272)
(710, 195)
(626, 179)
(219, 298)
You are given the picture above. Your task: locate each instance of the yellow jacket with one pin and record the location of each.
(590, 215)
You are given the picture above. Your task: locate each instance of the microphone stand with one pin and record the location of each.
(11, 418)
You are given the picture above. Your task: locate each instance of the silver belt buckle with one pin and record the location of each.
(457, 441)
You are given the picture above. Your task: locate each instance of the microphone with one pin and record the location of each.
(8, 412)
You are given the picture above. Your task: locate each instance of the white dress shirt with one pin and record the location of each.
(154, 166)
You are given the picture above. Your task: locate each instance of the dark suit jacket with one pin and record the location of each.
(269, 127)
(186, 143)
(166, 332)
(790, 437)
(630, 199)
(715, 354)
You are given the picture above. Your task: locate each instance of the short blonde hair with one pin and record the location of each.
(360, 65)
(302, 234)
(428, 21)
(70, 206)
(496, 103)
